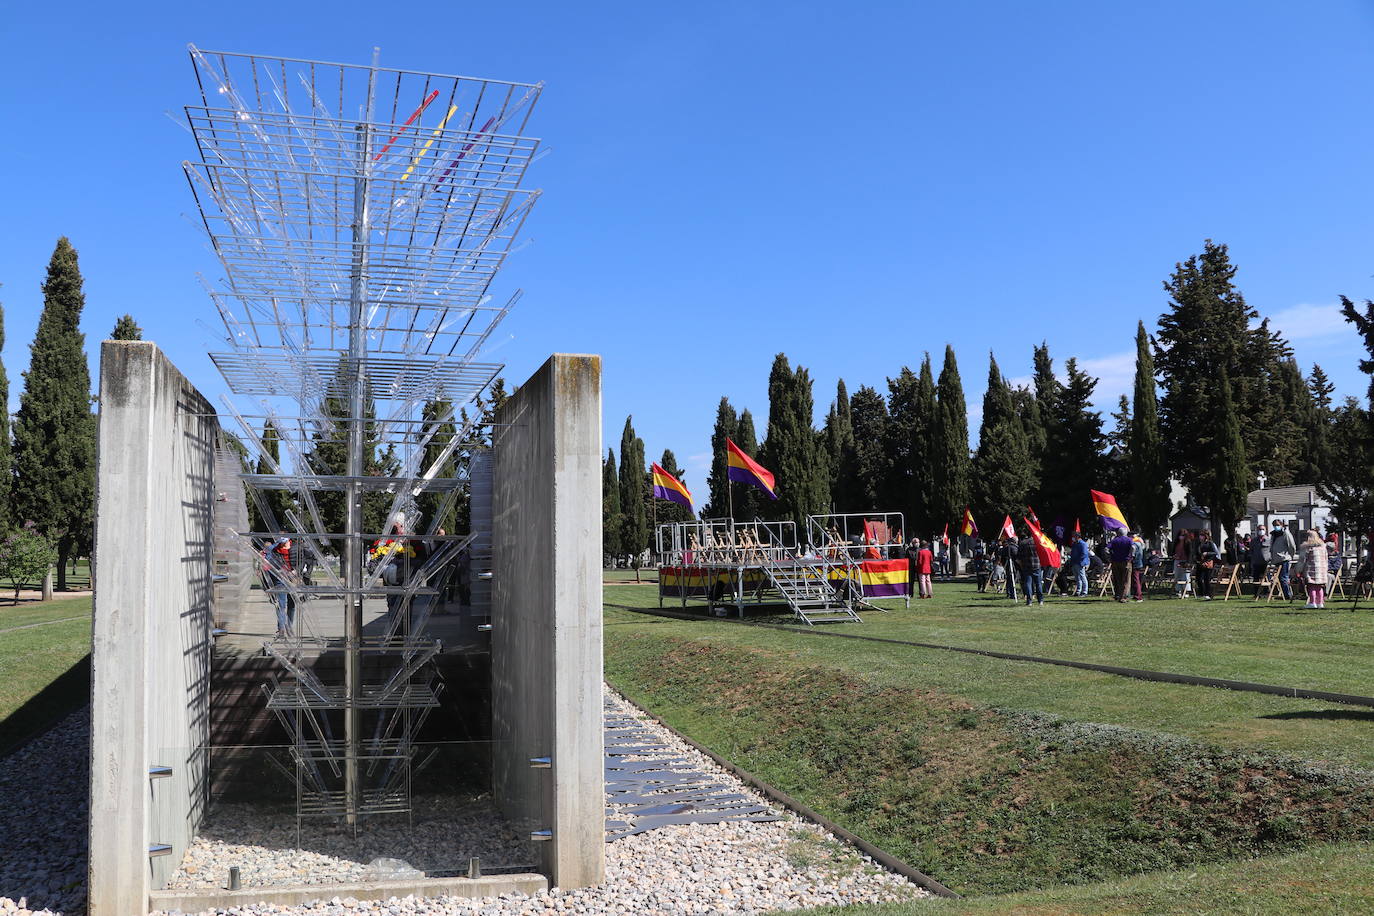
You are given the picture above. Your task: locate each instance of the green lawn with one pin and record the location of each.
(1326, 880)
(1304, 728)
(43, 669)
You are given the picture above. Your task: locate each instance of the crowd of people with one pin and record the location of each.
(1014, 564)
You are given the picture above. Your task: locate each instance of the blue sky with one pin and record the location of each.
(851, 184)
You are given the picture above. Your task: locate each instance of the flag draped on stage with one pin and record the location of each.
(668, 487)
(743, 469)
(970, 529)
(1108, 511)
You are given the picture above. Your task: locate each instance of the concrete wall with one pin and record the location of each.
(546, 615)
(150, 650)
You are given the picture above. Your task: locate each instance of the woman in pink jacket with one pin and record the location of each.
(1312, 566)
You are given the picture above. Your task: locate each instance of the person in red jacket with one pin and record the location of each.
(924, 562)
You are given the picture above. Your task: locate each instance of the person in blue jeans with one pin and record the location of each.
(1282, 552)
(1079, 558)
(1028, 564)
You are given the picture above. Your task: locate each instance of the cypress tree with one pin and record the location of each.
(950, 464)
(1045, 437)
(910, 447)
(748, 499)
(1001, 466)
(328, 456)
(278, 501)
(126, 329)
(54, 430)
(634, 493)
(1149, 474)
(430, 504)
(868, 412)
(718, 483)
(1078, 461)
(839, 447)
(611, 522)
(6, 462)
(1233, 474)
(1364, 326)
(791, 449)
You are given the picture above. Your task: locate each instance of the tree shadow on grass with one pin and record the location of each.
(1332, 715)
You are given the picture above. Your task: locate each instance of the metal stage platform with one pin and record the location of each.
(844, 563)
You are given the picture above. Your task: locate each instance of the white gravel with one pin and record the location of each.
(739, 867)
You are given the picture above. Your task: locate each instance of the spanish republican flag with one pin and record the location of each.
(1007, 529)
(1045, 547)
(1108, 510)
(969, 529)
(666, 486)
(743, 469)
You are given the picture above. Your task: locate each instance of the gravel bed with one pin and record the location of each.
(739, 867)
(44, 788)
(447, 832)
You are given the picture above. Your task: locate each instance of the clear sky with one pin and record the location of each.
(851, 184)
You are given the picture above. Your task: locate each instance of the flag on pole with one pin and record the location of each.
(1045, 547)
(1030, 514)
(1007, 528)
(970, 529)
(1108, 511)
(944, 538)
(1077, 527)
(740, 468)
(668, 487)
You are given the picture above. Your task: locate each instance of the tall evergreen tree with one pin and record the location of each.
(748, 499)
(126, 329)
(54, 430)
(1317, 455)
(1349, 483)
(839, 446)
(1364, 326)
(1001, 466)
(718, 483)
(950, 460)
(1079, 446)
(278, 502)
(435, 510)
(6, 458)
(791, 448)
(1149, 473)
(1233, 473)
(634, 492)
(1115, 470)
(910, 445)
(328, 456)
(1207, 331)
(1044, 439)
(868, 412)
(611, 521)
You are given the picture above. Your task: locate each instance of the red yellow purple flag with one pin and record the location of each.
(666, 486)
(970, 529)
(1108, 510)
(743, 469)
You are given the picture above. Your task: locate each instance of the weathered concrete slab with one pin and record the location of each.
(546, 615)
(150, 649)
(487, 886)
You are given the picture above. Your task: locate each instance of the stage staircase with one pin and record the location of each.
(809, 592)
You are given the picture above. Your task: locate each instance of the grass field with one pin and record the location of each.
(976, 770)
(1309, 729)
(44, 652)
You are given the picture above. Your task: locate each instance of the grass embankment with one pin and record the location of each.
(1327, 880)
(44, 668)
(1303, 728)
(906, 748)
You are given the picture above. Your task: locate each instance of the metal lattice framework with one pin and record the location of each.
(360, 215)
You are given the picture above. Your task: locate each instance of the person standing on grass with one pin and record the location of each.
(1028, 563)
(1313, 567)
(1184, 558)
(1207, 556)
(924, 561)
(1138, 566)
(1006, 559)
(1282, 553)
(1259, 555)
(1121, 549)
(1079, 558)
